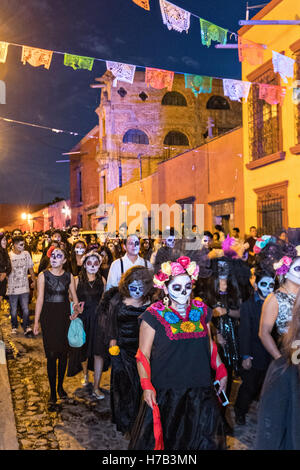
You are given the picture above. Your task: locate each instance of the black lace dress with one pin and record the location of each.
(90, 293)
(55, 314)
(125, 389)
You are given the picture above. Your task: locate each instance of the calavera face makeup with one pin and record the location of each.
(92, 264)
(133, 246)
(136, 289)
(57, 258)
(79, 250)
(170, 241)
(294, 271)
(180, 289)
(265, 286)
(223, 269)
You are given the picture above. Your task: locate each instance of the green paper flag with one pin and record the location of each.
(211, 32)
(78, 62)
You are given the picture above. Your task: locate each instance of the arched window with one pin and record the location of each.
(176, 138)
(217, 102)
(135, 136)
(173, 98)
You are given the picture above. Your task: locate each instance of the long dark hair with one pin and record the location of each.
(291, 338)
(4, 256)
(82, 276)
(137, 273)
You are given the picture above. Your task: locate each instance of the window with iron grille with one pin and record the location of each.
(263, 120)
(270, 213)
(176, 138)
(173, 98)
(135, 136)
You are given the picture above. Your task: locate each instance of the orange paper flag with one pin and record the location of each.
(250, 51)
(159, 78)
(36, 57)
(142, 3)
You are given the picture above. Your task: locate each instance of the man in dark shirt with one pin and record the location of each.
(251, 242)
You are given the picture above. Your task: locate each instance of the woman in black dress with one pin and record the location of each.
(180, 409)
(119, 313)
(5, 265)
(90, 286)
(77, 252)
(53, 309)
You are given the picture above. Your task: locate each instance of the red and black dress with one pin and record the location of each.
(181, 375)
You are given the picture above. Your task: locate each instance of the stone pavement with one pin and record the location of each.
(80, 423)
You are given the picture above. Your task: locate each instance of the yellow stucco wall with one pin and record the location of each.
(277, 38)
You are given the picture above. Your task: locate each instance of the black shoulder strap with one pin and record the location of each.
(145, 261)
(122, 266)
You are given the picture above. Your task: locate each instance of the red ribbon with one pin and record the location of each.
(220, 370)
(147, 385)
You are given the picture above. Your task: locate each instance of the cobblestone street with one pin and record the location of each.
(80, 422)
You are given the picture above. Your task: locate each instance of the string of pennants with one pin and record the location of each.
(159, 78)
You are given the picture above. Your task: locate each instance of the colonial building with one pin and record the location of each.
(140, 127)
(271, 133)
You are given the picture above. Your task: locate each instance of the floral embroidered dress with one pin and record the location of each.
(181, 376)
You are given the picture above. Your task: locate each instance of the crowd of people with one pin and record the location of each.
(175, 321)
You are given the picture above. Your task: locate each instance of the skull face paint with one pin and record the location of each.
(223, 269)
(294, 272)
(92, 264)
(57, 258)
(133, 246)
(136, 289)
(79, 250)
(180, 289)
(205, 241)
(265, 286)
(170, 241)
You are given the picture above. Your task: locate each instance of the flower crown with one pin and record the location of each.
(261, 243)
(181, 266)
(89, 254)
(283, 265)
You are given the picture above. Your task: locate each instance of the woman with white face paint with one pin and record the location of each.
(175, 359)
(255, 358)
(53, 311)
(78, 250)
(90, 286)
(119, 320)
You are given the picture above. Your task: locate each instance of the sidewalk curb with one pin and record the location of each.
(8, 431)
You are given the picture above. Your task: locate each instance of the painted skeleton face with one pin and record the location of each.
(223, 269)
(170, 241)
(20, 246)
(205, 241)
(180, 289)
(265, 286)
(57, 258)
(294, 272)
(133, 246)
(136, 289)
(92, 264)
(79, 250)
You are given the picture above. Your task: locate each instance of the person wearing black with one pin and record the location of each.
(251, 242)
(255, 358)
(118, 314)
(77, 252)
(5, 265)
(53, 309)
(278, 426)
(89, 287)
(180, 409)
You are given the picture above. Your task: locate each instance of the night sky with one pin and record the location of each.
(61, 97)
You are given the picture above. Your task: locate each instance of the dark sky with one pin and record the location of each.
(61, 98)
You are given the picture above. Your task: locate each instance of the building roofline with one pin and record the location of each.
(199, 146)
(263, 12)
